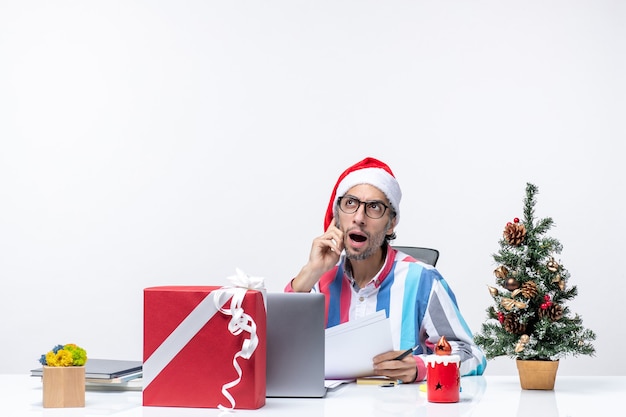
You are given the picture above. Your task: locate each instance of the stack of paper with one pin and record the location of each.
(118, 384)
(351, 346)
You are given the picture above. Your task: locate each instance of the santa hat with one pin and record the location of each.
(368, 171)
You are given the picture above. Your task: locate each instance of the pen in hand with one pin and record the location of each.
(405, 354)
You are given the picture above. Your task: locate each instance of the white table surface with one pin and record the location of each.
(501, 396)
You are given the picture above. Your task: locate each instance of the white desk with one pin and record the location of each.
(497, 396)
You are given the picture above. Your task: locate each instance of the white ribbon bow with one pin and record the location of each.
(244, 280)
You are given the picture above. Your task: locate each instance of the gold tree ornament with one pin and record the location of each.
(514, 233)
(501, 272)
(558, 279)
(521, 343)
(492, 290)
(509, 303)
(552, 265)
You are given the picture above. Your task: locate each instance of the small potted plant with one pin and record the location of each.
(64, 376)
(529, 320)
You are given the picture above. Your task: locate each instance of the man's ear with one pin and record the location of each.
(393, 224)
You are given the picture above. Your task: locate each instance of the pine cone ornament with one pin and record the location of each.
(554, 312)
(514, 233)
(529, 289)
(512, 325)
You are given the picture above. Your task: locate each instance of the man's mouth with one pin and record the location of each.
(357, 238)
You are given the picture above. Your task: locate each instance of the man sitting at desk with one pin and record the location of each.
(357, 270)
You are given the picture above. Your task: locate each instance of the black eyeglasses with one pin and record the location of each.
(373, 209)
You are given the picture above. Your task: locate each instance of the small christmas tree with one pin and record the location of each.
(529, 319)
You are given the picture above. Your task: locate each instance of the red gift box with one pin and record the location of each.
(189, 353)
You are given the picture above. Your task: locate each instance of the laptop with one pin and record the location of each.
(295, 345)
(106, 369)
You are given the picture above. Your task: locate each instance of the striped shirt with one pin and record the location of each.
(418, 301)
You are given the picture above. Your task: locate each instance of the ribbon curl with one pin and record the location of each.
(240, 322)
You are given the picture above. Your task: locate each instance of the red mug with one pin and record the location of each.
(443, 378)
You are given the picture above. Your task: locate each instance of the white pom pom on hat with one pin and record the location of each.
(368, 171)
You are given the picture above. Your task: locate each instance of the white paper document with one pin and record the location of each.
(351, 346)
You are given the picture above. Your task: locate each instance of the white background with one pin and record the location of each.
(150, 143)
